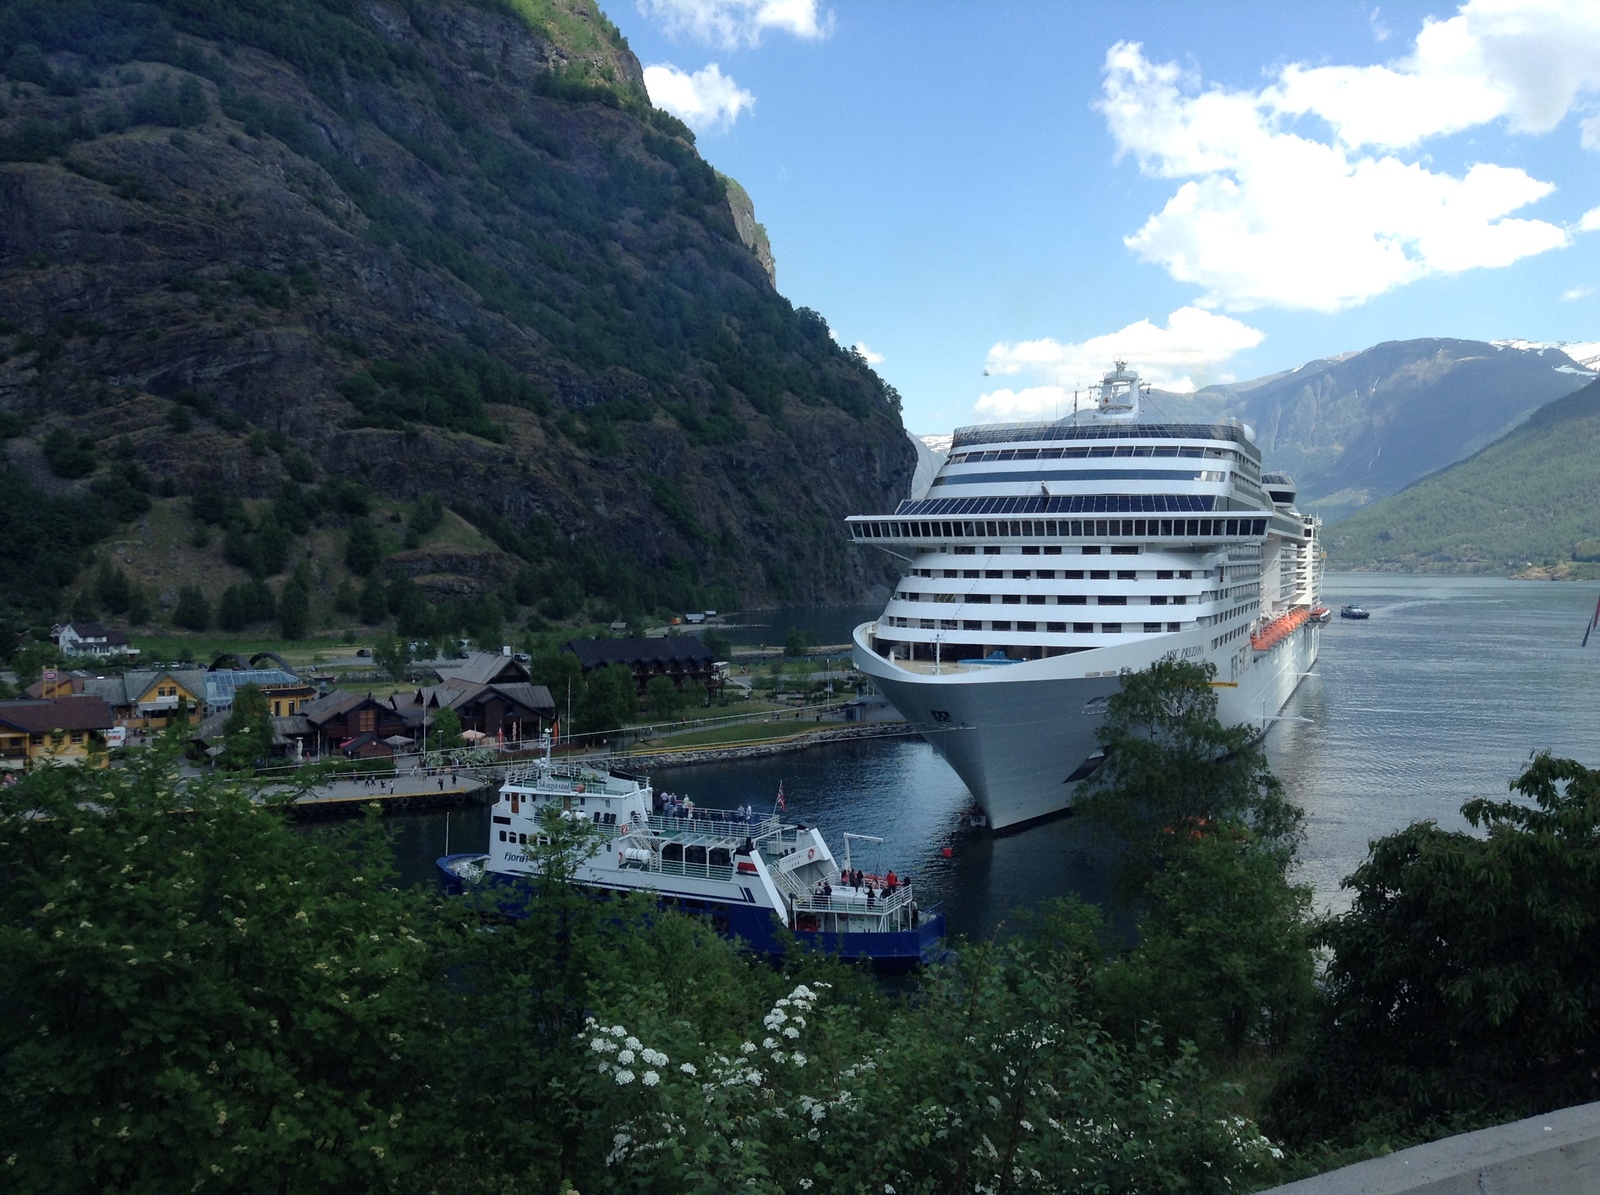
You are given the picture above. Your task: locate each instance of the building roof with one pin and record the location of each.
(93, 630)
(220, 686)
(453, 693)
(484, 668)
(684, 650)
(60, 713)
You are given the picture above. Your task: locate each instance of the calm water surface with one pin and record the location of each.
(1440, 696)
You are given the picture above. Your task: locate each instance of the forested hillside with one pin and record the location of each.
(1531, 497)
(423, 296)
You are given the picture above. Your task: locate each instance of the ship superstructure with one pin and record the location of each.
(1047, 557)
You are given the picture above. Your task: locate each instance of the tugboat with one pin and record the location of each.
(1353, 612)
(753, 876)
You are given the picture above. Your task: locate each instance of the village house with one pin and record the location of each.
(367, 727)
(682, 658)
(52, 730)
(90, 639)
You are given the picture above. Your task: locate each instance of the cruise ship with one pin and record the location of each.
(1045, 558)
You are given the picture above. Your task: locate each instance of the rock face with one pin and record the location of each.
(435, 248)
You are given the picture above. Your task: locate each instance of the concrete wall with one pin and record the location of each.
(1556, 1154)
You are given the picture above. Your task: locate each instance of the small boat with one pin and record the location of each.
(1353, 612)
(1321, 614)
(751, 876)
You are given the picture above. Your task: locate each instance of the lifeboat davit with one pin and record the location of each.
(1279, 629)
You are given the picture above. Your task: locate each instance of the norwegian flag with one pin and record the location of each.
(780, 803)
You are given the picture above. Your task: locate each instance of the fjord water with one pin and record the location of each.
(1440, 696)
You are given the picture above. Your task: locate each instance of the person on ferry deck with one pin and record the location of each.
(891, 881)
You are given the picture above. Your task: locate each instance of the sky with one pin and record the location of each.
(992, 201)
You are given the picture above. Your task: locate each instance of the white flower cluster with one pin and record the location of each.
(603, 1040)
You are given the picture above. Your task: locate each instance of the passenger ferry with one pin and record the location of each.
(753, 876)
(1046, 558)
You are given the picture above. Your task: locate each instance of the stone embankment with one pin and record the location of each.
(660, 760)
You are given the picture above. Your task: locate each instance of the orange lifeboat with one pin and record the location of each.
(1279, 629)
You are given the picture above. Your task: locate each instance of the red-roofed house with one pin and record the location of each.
(52, 730)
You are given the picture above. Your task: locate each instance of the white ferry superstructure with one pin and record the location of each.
(1046, 558)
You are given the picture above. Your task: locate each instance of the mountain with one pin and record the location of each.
(1532, 496)
(1356, 428)
(420, 290)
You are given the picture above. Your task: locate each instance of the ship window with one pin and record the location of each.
(981, 599)
(965, 549)
(991, 551)
(1158, 599)
(1099, 574)
(1027, 626)
(1111, 628)
(1055, 627)
(1083, 628)
(1126, 574)
(1021, 574)
(1092, 550)
(1107, 599)
(1036, 599)
(1181, 600)
(1073, 574)
(1032, 550)
(502, 835)
(1173, 626)
(720, 857)
(1052, 549)
(672, 853)
(969, 572)
(1128, 550)
(1011, 599)
(949, 572)
(971, 625)
(1072, 599)
(1046, 574)
(994, 573)
(522, 839)
(1184, 573)
(1164, 574)
(1150, 628)
(1000, 626)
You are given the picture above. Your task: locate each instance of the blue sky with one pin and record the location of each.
(994, 198)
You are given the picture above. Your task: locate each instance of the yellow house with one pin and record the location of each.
(146, 699)
(62, 730)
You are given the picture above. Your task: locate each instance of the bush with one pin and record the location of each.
(192, 612)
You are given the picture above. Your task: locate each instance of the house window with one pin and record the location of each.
(367, 720)
(277, 709)
(77, 737)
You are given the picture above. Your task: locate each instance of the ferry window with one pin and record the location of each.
(1072, 599)
(1099, 574)
(1163, 574)
(991, 551)
(981, 599)
(994, 572)
(1020, 574)
(1083, 628)
(1000, 626)
(1011, 599)
(1092, 550)
(965, 550)
(1150, 628)
(1073, 574)
(1036, 599)
(1108, 599)
(971, 625)
(1174, 626)
(1056, 627)
(1052, 549)
(1125, 550)
(949, 572)
(1111, 628)
(1181, 600)
(1184, 573)
(1126, 574)
(1158, 599)
(1032, 550)
(502, 835)
(969, 572)
(1027, 626)
(522, 839)
(1046, 574)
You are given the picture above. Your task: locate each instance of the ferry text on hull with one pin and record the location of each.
(1047, 557)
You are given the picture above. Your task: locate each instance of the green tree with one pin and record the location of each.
(445, 731)
(392, 655)
(138, 606)
(192, 612)
(294, 608)
(247, 734)
(609, 700)
(664, 699)
(1173, 774)
(1464, 982)
(374, 603)
(362, 551)
(796, 642)
(718, 644)
(347, 598)
(111, 588)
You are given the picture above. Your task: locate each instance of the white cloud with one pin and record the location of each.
(734, 23)
(1193, 342)
(866, 354)
(707, 101)
(1270, 214)
(1574, 293)
(1589, 133)
(1590, 220)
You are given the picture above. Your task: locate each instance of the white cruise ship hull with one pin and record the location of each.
(1016, 733)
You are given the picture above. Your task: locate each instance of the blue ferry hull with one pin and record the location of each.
(755, 925)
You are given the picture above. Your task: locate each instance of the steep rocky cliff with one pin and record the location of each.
(431, 247)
